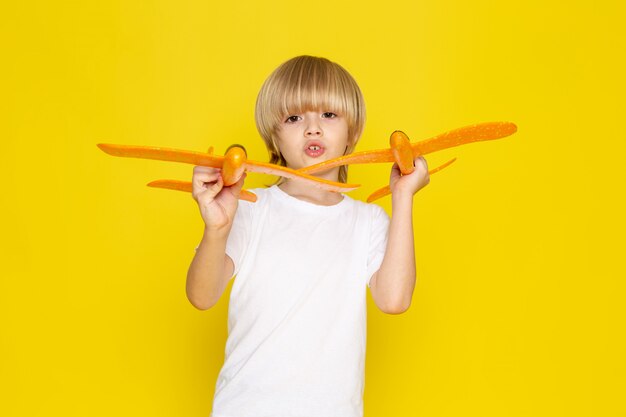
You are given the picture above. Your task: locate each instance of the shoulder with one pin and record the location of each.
(373, 210)
(247, 210)
(370, 216)
(262, 194)
(259, 190)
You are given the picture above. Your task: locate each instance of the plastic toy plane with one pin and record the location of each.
(233, 165)
(404, 153)
(235, 162)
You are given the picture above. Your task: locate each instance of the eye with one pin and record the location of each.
(329, 115)
(292, 119)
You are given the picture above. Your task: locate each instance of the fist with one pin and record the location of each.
(216, 202)
(409, 183)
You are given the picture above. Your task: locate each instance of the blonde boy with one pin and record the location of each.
(303, 257)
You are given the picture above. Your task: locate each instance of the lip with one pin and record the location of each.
(314, 143)
(314, 153)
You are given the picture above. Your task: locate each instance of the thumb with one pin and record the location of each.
(395, 172)
(236, 187)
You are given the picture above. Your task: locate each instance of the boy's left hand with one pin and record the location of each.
(411, 183)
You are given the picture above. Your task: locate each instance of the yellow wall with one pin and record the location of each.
(519, 307)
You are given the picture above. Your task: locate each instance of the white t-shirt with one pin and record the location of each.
(297, 313)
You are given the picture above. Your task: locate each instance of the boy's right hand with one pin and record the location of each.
(217, 203)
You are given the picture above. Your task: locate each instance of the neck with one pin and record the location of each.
(306, 191)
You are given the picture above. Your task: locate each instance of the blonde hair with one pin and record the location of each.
(308, 83)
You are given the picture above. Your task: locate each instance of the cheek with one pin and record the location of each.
(286, 149)
(282, 141)
(342, 129)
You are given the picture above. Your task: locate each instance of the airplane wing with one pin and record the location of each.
(461, 136)
(214, 161)
(186, 186)
(271, 169)
(163, 154)
(468, 134)
(381, 192)
(364, 157)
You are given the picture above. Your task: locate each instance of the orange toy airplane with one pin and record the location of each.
(404, 153)
(233, 165)
(235, 162)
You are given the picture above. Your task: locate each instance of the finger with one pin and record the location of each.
(421, 161)
(395, 171)
(426, 173)
(204, 182)
(203, 169)
(215, 189)
(236, 187)
(203, 178)
(206, 193)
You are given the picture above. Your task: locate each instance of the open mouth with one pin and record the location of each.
(314, 148)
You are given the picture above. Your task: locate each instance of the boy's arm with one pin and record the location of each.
(393, 284)
(210, 270)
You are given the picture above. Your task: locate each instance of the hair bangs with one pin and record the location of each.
(318, 92)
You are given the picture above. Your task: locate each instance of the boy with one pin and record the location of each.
(303, 256)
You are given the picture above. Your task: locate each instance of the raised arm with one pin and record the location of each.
(211, 268)
(393, 284)
(209, 272)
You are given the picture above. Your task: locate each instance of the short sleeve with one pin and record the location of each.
(238, 238)
(377, 240)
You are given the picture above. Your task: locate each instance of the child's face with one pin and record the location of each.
(311, 137)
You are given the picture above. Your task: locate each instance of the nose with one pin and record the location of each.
(312, 128)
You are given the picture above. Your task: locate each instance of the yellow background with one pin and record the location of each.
(519, 307)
